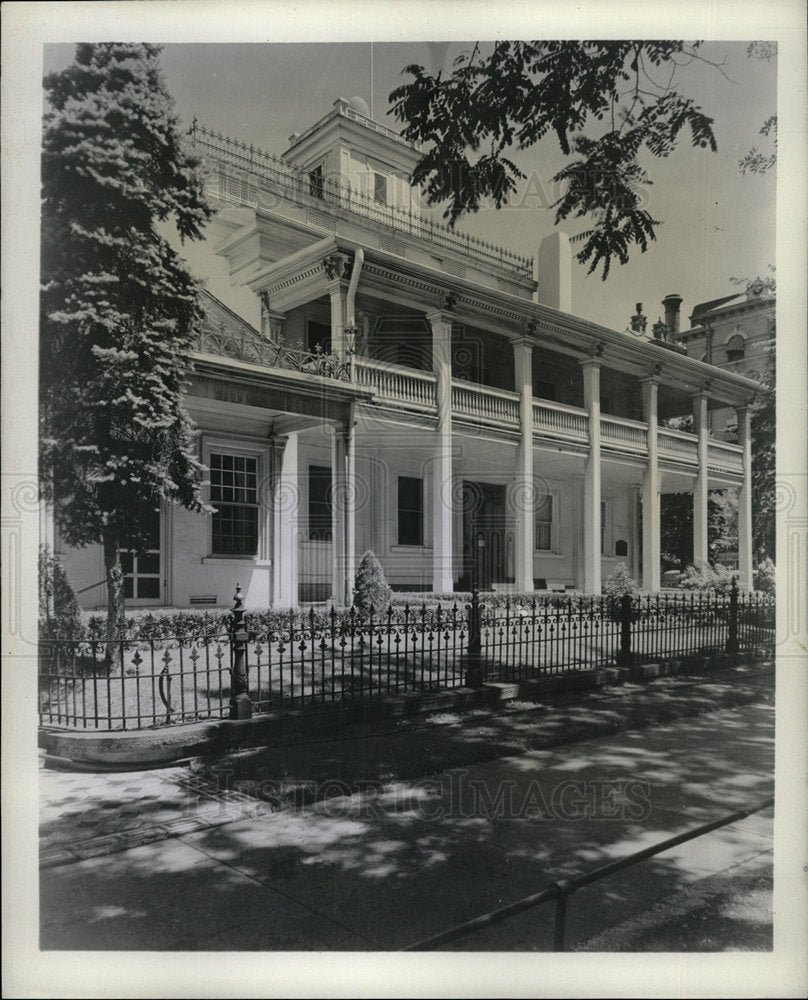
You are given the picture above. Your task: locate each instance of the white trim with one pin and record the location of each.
(250, 447)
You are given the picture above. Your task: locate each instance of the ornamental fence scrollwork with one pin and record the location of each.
(248, 345)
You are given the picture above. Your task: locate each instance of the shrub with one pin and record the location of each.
(620, 583)
(59, 612)
(718, 578)
(370, 588)
(764, 576)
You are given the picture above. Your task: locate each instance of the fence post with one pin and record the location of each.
(474, 666)
(240, 705)
(732, 637)
(624, 656)
(562, 888)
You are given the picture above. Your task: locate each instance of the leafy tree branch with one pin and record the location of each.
(593, 97)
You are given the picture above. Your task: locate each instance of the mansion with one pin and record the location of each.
(370, 379)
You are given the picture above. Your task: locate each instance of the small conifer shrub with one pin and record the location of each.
(370, 587)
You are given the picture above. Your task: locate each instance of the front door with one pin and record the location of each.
(485, 559)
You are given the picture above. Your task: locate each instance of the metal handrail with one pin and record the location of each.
(561, 891)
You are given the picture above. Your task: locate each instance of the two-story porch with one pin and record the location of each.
(422, 394)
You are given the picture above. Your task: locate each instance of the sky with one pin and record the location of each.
(716, 223)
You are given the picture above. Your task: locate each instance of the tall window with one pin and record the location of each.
(316, 181)
(410, 511)
(380, 188)
(319, 503)
(544, 523)
(234, 494)
(603, 527)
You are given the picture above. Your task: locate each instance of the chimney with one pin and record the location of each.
(555, 272)
(671, 304)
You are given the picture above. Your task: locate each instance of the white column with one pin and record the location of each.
(591, 533)
(339, 507)
(524, 493)
(635, 492)
(350, 507)
(442, 567)
(651, 533)
(745, 570)
(701, 489)
(285, 507)
(337, 290)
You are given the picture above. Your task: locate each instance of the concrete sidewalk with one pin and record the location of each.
(459, 816)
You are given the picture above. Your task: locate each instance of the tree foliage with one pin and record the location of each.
(59, 612)
(757, 161)
(119, 308)
(522, 92)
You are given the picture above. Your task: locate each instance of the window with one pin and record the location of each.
(603, 509)
(319, 504)
(736, 348)
(410, 511)
(544, 523)
(234, 494)
(380, 188)
(316, 181)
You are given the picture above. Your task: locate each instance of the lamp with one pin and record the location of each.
(350, 334)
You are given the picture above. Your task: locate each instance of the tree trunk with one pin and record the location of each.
(115, 597)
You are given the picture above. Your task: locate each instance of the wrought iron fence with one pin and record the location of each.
(339, 656)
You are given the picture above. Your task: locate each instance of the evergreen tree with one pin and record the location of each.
(119, 308)
(370, 586)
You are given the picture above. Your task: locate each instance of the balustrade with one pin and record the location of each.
(626, 434)
(556, 421)
(495, 405)
(394, 382)
(678, 446)
(245, 344)
(724, 457)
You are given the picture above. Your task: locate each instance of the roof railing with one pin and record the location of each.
(320, 191)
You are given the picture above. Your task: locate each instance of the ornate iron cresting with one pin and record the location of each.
(245, 344)
(258, 170)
